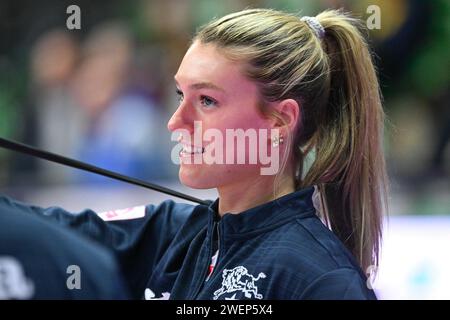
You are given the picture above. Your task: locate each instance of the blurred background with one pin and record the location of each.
(104, 93)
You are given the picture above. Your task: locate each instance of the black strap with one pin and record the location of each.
(25, 149)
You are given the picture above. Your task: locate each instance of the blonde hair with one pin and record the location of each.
(334, 81)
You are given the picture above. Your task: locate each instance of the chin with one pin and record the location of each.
(196, 177)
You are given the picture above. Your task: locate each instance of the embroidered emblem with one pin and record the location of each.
(238, 279)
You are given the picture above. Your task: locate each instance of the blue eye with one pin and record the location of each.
(208, 102)
(180, 95)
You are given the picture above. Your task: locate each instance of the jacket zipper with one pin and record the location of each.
(218, 248)
(206, 270)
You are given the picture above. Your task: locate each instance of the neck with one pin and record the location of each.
(251, 193)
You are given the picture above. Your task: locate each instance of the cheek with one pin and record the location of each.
(245, 136)
(243, 124)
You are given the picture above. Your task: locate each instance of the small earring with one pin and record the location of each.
(277, 140)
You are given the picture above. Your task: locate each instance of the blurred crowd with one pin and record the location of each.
(91, 104)
(103, 94)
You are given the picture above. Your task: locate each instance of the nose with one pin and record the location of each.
(181, 119)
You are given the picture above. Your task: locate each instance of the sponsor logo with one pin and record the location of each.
(123, 214)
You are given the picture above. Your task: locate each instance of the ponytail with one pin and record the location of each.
(349, 165)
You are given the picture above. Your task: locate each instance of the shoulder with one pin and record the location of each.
(308, 242)
(317, 262)
(177, 213)
(166, 212)
(170, 208)
(338, 284)
(168, 218)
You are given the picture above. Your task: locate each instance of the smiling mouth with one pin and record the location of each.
(191, 150)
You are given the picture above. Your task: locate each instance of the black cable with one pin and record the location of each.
(25, 149)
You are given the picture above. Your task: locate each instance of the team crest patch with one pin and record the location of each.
(238, 279)
(123, 214)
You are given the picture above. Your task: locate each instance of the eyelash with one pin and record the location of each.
(180, 95)
(202, 99)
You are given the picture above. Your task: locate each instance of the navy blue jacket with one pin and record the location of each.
(278, 250)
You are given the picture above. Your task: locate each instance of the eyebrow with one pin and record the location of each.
(203, 85)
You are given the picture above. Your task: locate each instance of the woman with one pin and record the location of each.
(312, 82)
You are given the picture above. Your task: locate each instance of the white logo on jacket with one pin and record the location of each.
(238, 279)
(150, 295)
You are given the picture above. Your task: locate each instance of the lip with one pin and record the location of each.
(191, 150)
(184, 144)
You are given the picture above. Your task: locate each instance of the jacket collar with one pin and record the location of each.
(266, 216)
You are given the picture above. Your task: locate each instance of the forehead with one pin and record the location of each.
(205, 63)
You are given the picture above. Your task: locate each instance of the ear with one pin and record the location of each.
(289, 111)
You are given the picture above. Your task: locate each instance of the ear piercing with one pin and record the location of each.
(277, 140)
